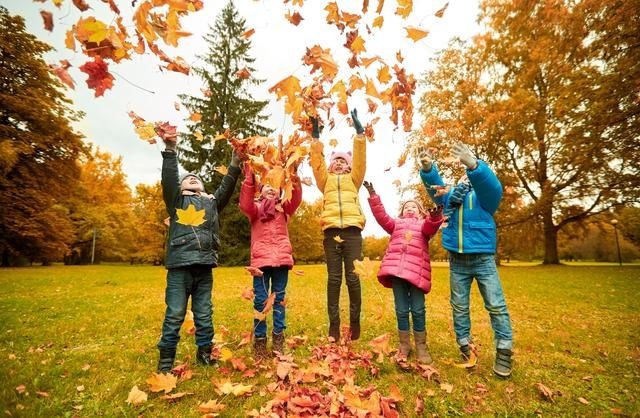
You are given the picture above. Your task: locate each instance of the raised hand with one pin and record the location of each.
(464, 154)
(235, 159)
(436, 212)
(169, 145)
(426, 160)
(367, 185)
(356, 122)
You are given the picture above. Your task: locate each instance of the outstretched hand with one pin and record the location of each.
(356, 122)
(235, 159)
(170, 145)
(426, 159)
(463, 153)
(436, 212)
(367, 185)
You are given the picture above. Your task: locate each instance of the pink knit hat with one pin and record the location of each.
(340, 154)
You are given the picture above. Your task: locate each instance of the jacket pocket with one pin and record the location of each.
(481, 235)
(183, 239)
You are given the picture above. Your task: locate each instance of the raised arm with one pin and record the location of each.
(291, 206)
(377, 208)
(486, 185)
(318, 165)
(170, 179)
(225, 190)
(432, 222)
(247, 202)
(359, 160)
(431, 178)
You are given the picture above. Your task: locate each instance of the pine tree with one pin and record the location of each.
(226, 105)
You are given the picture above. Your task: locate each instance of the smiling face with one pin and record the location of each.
(269, 192)
(191, 183)
(411, 210)
(340, 166)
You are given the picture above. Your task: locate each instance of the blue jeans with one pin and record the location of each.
(408, 298)
(274, 279)
(464, 268)
(195, 281)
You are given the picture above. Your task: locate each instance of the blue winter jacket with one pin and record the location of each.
(471, 228)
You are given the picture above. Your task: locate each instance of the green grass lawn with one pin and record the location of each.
(87, 335)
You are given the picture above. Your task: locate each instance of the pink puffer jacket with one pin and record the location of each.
(407, 255)
(270, 245)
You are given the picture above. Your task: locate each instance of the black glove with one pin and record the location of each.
(367, 185)
(315, 133)
(435, 213)
(356, 122)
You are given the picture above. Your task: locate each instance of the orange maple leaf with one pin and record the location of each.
(287, 87)
(415, 33)
(243, 74)
(162, 382)
(404, 9)
(294, 18)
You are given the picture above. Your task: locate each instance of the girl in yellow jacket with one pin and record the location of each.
(342, 221)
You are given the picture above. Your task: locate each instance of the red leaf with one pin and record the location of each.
(47, 18)
(81, 4)
(99, 77)
(61, 72)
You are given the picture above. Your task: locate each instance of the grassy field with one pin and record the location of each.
(84, 336)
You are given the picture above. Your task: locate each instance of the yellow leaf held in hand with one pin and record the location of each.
(364, 269)
(191, 216)
(136, 396)
(222, 170)
(162, 382)
(415, 33)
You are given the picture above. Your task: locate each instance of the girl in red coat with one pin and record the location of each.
(271, 254)
(406, 267)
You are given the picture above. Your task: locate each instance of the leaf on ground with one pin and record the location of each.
(547, 393)
(471, 362)
(236, 389)
(211, 407)
(136, 396)
(419, 409)
(190, 216)
(159, 382)
(447, 387)
(189, 325)
(583, 401)
(380, 346)
(175, 396)
(20, 389)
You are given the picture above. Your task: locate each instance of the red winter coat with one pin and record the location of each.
(270, 245)
(407, 255)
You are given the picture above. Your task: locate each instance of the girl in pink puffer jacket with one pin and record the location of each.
(271, 254)
(406, 268)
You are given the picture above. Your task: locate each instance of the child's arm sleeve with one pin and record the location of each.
(291, 206)
(170, 180)
(487, 186)
(319, 167)
(225, 190)
(359, 163)
(382, 217)
(432, 178)
(431, 225)
(247, 192)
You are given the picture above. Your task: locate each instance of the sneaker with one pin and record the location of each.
(503, 365)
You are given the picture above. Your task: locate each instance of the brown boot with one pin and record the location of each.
(277, 344)
(260, 348)
(354, 330)
(422, 352)
(334, 331)
(404, 348)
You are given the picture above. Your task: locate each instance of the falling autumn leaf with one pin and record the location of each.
(294, 18)
(383, 74)
(81, 5)
(333, 143)
(415, 33)
(378, 22)
(248, 33)
(136, 396)
(195, 117)
(99, 79)
(404, 9)
(61, 72)
(243, 74)
(440, 12)
(254, 271)
(190, 216)
(159, 382)
(380, 346)
(248, 293)
(47, 19)
(364, 269)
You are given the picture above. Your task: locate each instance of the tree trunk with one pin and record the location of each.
(550, 239)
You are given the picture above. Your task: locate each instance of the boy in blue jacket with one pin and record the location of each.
(470, 238)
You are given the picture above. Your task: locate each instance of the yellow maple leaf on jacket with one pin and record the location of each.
(190, 216)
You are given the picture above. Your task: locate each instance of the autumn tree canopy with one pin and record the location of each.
(548, 94)
(38, 149)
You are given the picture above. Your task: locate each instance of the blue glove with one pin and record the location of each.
(356, 122)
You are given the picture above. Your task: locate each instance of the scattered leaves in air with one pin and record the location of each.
(364, 269)
(136, 396)
(248, 33)
(159, 382)
(61, 72)
(415, 33)
(190, 216)
(440, 12)
(99, 79)
(295, 18)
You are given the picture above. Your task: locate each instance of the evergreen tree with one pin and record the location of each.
(38, 150)
(226, 105)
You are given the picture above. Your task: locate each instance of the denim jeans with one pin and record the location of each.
(408, 299)
(274, 280)
(195, 281)
(339, 254)
(464, 268)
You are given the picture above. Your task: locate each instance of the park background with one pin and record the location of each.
(546, 92)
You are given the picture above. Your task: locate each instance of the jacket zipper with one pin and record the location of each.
(460, 223)
(340, 202)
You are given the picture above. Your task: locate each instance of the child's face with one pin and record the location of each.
(340, 166)
(410, 209)
(269, 192)
(191, 183)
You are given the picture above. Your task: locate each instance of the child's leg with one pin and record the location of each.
(494, 301)
(353, 251)
(261, 293)
(278, 285)
(333, 255)
(401, 302)
(460, 277)
(418, 309)
(201, 304)
(176, 297)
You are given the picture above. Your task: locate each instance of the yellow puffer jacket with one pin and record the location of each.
(341, 205)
